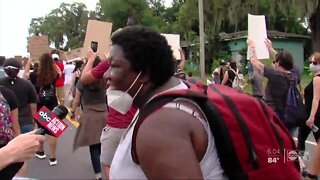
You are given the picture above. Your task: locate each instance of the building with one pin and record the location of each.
(293, 43)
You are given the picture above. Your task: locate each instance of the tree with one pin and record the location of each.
(69, 21)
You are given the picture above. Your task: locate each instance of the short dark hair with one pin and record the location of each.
(147, 51)
(285, 60)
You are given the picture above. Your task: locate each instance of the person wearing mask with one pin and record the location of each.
(92, 118)
(142, 67)
(116, 122)
(25, 94)
(279, 79)
(312, 97)
(46, 77)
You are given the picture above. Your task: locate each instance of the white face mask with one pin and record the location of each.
(314, 68)
(122, 101)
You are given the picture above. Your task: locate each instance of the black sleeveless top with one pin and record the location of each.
(231, 75)
(308, 96)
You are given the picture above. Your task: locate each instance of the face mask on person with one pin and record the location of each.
(315, 67)
(11, 71)
(122, 101)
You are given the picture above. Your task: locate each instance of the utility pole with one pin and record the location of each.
(201, 29)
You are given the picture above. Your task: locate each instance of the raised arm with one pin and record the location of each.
(87, 77)
(27, 69)
(253, 57)
(272, 51)
(183, 59)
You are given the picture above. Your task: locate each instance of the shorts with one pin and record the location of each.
(26, 128)
(110, 138)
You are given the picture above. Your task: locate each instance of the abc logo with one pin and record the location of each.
(45, 116)
(293, 155)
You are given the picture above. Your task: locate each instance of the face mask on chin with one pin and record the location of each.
(314, 68)
(12, 72)
(122, 101)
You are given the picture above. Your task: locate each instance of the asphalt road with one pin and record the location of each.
(71, 165)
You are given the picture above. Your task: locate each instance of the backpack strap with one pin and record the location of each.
(159, 101)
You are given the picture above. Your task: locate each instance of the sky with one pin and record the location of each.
(15, 18)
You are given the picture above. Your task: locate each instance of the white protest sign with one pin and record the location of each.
(174, 42)
(257, 32)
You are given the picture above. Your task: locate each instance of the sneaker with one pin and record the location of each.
(53, 161)
(40, 155)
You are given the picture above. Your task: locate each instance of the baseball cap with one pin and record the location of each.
(55, 56)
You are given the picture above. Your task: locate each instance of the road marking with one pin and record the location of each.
(309, 142)
(73, 122)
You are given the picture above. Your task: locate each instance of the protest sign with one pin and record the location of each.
(257, 32)
(98, 31)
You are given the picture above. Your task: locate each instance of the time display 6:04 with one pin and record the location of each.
(273, 151)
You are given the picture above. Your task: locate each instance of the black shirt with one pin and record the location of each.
(33, 79)
(231, 76)
(25, 93)
(10, 97)
(308, 96)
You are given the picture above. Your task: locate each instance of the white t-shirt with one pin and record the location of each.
(68, 68)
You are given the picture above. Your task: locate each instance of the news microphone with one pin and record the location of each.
(51, 122)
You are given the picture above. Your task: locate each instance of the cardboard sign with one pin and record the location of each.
(75, 53)
(50, 122)
(38, 45)
(257, 32)
(174, 42)
(100, 32)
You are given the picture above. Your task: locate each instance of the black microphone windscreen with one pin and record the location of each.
(60, 111)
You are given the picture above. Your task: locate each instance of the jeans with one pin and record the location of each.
(26, 128)
(95, 151)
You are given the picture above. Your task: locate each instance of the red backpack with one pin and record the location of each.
(251, 141)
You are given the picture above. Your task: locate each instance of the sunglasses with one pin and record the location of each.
(314, 63)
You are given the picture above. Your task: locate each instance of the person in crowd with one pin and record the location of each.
(76, 73)
(20, 148)
(230, 74)
(223, 67)
(68, 73)
(294, 69)
(279, 79)
(26, 96)
(24, 91)
(191, 79)
(256, 81)
(312, 97)
(117, 121)
(179, 73)
(215, 77)
(10, 98)
(46, 78)
(2, 60)
(92, 119)
(60, 81)
(32, 76)
(142, 61)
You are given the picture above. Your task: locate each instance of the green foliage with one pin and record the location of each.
(68, 21)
